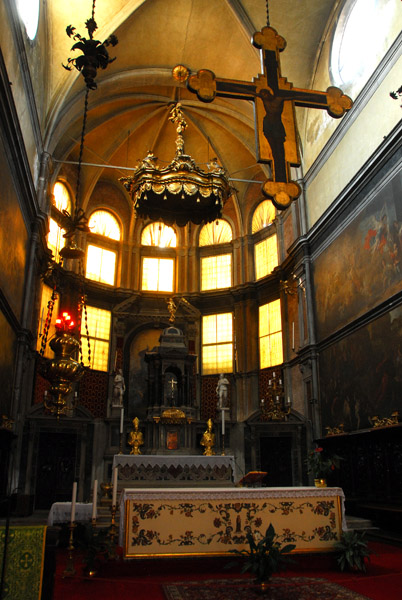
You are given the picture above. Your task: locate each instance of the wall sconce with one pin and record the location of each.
(290, 287)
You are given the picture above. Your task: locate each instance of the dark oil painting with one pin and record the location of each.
(361, 375)
(363, 266)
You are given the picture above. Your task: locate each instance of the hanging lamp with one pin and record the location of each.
(94, 56)
(64, 370)
(182, 191)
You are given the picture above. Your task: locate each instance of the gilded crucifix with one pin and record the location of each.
(274, 100)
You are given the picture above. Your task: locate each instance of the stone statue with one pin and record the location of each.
(119, 388)
(222, 391)
(135, 438)
(208, 439)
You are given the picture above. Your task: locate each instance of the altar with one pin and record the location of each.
(204, 521)
(150, 469)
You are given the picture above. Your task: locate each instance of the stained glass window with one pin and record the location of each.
(270, 334)
(99, 321)
(217, 343)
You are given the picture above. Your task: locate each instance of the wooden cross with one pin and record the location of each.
(274, 101)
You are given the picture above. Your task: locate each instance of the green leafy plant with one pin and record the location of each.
(353, 552)
(321, 464)
(265, 556)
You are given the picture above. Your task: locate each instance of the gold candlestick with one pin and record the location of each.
(69, 571)
(113, 531)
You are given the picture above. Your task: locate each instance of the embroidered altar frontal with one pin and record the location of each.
(24, 562)
(197, 522)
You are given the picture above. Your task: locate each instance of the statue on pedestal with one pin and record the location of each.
(119, 388)
(208, 440)
(135, 438)
(222, 391)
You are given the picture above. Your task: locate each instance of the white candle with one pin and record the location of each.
(293, 335)
(115, 472)
(223, 421)
(273, 374)
(94, 499)
(73, 501)
(121, 420)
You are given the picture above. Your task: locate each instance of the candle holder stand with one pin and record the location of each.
(69, 571)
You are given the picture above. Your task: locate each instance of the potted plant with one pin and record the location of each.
(353, 552)
(265, 556)
(321, 465)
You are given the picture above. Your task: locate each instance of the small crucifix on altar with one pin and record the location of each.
(274, 105)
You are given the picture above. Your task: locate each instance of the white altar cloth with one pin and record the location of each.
(141, 508)
(174, 460)
(60, 512)
(177, 469)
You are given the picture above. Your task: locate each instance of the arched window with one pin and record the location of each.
(266, 250)
(158, 234)
(101, 261)
(29, 13)
(61, 201)
(264, 215)
(104, 223)
(217, 232)
(158, 271)
(270, 334)
(360, 41)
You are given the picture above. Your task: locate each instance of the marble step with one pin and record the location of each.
(359, 524)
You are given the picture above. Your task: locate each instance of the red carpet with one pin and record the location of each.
(280, 588)
(143, 579)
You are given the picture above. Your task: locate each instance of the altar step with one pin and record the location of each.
(359, 524)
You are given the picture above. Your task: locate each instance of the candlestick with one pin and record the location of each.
(73, 501)
(115, 473)
(121, 419)
(69, 571)
(94, 500)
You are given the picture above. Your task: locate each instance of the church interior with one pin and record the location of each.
(265, 307)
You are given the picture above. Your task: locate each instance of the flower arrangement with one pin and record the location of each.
(321, 464)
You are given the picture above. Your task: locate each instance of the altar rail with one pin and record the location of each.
(174, 469)
(215, 521)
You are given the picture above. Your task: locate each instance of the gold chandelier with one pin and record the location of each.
(180, 192)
